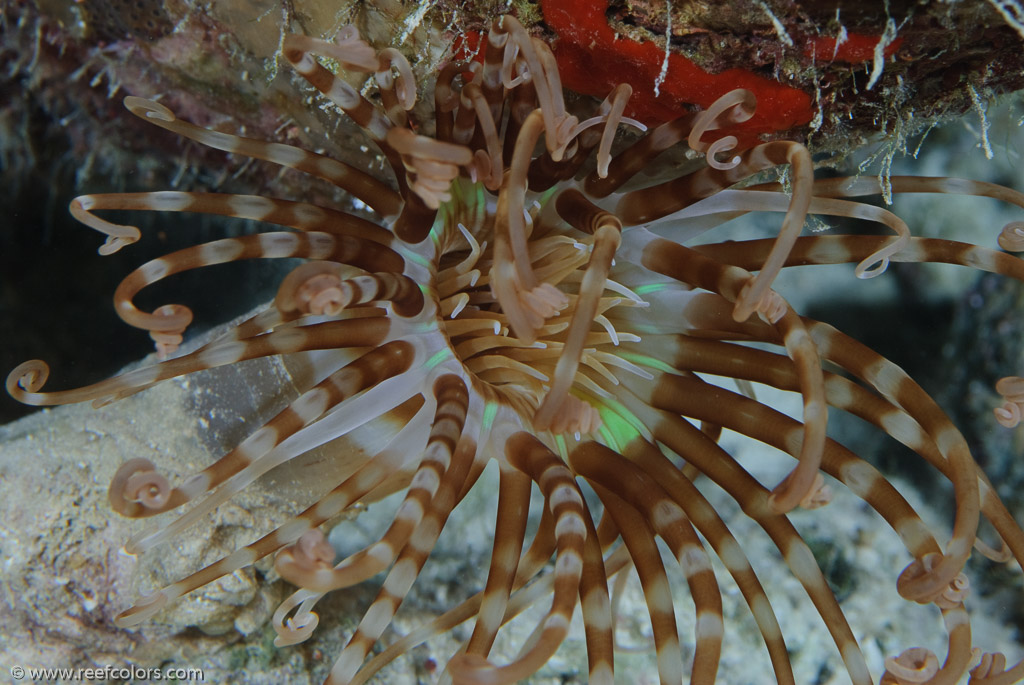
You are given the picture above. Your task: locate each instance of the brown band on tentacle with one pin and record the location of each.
(545, 172)
(688, 266)
(653, 507)
(24, 382)
(464, 469)
(655, 202)
(634, 158)
(320, 287)
(301, 216)
(446, 430)
(684, 438)
(844, 249)
(543, 74)
(376, 194)
(398, 95)
(562, 496)
(357, 252)
(509, 535)
(385, 361)
(446, 100)
(299, 51)
(522, 101)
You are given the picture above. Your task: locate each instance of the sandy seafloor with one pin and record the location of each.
(63, 578)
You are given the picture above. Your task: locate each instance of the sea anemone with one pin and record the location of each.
(520, 296)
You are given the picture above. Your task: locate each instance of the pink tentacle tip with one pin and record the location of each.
(301, 561)
(915, 665)
(1012, 390)
(137, 487)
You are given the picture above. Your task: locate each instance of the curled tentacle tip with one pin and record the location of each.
(547, 300)
(915, 665)
(871, 267)
(137, 489)
(722, 146)
(115, 243)
(1011, 388)
(991, 667)
(955, 593)
(321, 294)
(923, 581)
(297, 629)
(301, 561)
(567, 414)
(26, 377)
(818, 495)
(1008, 415)
(1011, 238)
(142, 107)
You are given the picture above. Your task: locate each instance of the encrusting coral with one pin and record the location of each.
(518, 299)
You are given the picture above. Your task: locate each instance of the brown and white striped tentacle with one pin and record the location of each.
(333, 503)
(300, 51)
(530, 564)
(646, 499)
(659, 409)
(1011, 238)
(651, 203)
(543, 75)
(630, 161)
(304, 410)
(374, 193)
(766, 425)
(740, 362)
(25, 381)
(638, 537)
(409, 563)
(562, 496)
(509, 535)
(915, 583)
(596, 607)
(671, 259)
(321, 288)
(398, 95)
(682, 490)
(727, 204)
(298, 215)
(844, 249)
(450, 395)
(364, 254)
(373, 475)
(295, 430)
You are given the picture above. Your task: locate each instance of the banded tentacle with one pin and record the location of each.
(511, 305)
